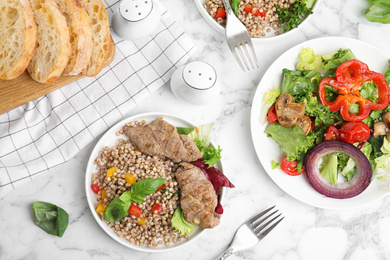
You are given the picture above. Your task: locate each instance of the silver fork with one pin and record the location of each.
(238, 39)
(252, 232)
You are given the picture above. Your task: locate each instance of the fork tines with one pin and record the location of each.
(244, 58)
(262, 223)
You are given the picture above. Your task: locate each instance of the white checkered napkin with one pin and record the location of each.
(52, 129)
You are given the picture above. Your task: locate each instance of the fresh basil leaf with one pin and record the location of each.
(235, 4)
(51, 218)
(118, 207)
(137, 198)
(146, 187)
(184, 130)
(379, 12)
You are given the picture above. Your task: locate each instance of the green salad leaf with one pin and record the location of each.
(51, 218)
(321, 113)
(271, 96)
(292, 140)
(275, 165)
(349, 169)
(369, 91)
(210, 155)
(385, 149)
(308, 60)
(180, 223)
(202, 138)
(387, 73)
(299, 82)
(379, 11)
(341, 56)
(328, 168)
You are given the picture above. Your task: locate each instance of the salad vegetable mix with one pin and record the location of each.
(331, 119)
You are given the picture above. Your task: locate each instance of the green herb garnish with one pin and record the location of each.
(118, 207)
(51, 218)
(292, 17)
(235, 4)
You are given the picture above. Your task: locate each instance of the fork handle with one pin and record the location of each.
(228, 252)
(228, 8)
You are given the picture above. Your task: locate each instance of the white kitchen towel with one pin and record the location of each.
(50, 130)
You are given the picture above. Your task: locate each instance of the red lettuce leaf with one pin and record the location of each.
(217, 179)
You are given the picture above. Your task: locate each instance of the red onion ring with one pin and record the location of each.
(357, 185)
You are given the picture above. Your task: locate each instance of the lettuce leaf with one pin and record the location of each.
(387, 73)
(210, 155)
(202, 132)
(341, 56)
(328, 168)
(180, 223)
(292, 140)
(349, 170)
(202, 138)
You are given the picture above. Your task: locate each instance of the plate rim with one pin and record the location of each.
(254, 120)
(93, 154)
(217, 27)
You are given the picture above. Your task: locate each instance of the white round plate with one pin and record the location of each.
(267, 149)
(269, 36)
(110, 139)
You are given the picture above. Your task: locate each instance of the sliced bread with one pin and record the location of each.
(111, 53)
(17, 37)
(53, 47)
(80, 32)
(100, 36)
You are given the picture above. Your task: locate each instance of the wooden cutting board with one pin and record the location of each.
(23, 89)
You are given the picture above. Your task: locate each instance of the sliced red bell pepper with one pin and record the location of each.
(258, 13)
(220, 13)
(248, 8)
(349, 77)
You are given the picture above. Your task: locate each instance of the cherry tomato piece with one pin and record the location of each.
(95, 188)
(272, 117)
(220, 13)
(290, 167)
(332, 133)
(157, 207)
(161, 187)
(354, 132)
(135, 211)
(248, 8)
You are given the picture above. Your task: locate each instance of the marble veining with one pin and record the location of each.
(306, 233)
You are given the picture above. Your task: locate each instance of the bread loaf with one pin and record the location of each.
(80, 32)
(53, 47)
(100, 36)
(17, 37)
(111, 53)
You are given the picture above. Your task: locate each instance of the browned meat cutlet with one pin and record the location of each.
(162, 140)
(198, 199)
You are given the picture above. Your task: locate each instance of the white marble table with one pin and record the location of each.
(306, 233)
